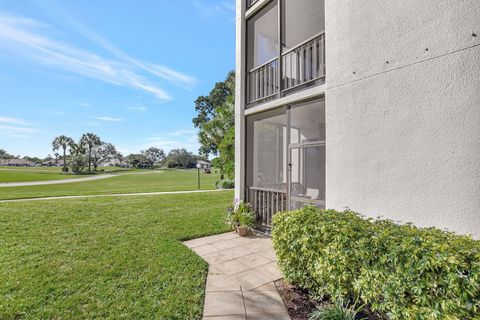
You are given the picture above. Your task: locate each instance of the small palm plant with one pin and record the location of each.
(338, 311)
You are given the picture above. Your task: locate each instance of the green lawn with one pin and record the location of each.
(27, 174)
(117, 258)
(147, 181)
(31, 174)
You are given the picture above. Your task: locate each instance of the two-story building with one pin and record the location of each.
(368, 104)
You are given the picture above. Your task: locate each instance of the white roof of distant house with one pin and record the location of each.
(18, 162)
(203, 162)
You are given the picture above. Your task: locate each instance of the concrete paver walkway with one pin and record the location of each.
(241, 275)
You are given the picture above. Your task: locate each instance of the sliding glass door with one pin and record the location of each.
(306, 178)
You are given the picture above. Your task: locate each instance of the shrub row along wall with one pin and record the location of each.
(401, 270)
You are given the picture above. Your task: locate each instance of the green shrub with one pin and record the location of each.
(225, 184)
(242, 214)
(338, 311)
(401, 270)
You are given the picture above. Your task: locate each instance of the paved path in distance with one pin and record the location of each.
(42, 183)
(111, 195)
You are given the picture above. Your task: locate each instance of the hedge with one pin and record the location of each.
(403, 271)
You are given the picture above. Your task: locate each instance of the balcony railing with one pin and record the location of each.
(301, 65)
(304, 63)
(266, 202)
(262, 82)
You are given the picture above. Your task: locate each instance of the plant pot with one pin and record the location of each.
(243, 231)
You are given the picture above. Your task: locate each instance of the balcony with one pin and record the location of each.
(300, 66)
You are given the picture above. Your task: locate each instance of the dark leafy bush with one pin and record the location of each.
(225, 184)
(401, 270)
(337, 311)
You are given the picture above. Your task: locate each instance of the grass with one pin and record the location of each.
(117, 258)
(31, 174)
(170, 180)
(28, 174)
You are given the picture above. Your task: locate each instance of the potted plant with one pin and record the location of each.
(242, 218)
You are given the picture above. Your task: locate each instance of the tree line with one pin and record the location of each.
(91, 152)
(216, 123)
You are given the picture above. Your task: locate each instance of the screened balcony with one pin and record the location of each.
(285, 159)
(278, 68)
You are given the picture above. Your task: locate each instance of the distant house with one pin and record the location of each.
(17, 163)
(204, 165)
(114, 163)
(48, 163)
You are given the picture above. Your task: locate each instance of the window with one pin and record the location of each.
(262, 36)
(301, 20)
(266, 150)
(307, 121)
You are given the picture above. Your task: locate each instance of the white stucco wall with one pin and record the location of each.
(403, 137)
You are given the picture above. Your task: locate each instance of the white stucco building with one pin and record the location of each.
(368, 104)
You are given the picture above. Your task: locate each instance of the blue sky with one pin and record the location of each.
(128, 71)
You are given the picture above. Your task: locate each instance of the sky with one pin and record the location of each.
(128, 71)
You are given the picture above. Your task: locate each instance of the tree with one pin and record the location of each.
(103, 153)
(119, 157)
(89, 141)
(62, 142)
(153, 155)
(227, 154)
(181, 158)
(136, 160)
(57, 155)
(4, 155)
(215, 118)
(77, 157)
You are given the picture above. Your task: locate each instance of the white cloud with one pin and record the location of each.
(13, 121)
(24, 37)
(57, 113)
(174, 140)
(230, 5)
(184, 133)
(16, 128)
(207, 9)
(161, 71)
(108, 119)
(139, 108)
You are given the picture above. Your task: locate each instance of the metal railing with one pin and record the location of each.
(262, 82)
(305, 63)
(301, 65)
(266, 202)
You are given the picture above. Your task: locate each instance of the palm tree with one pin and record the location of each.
(89, 141)
(62, 142)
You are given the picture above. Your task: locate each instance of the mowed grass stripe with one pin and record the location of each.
(118, 258)
(30, 174)
(169, 180)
